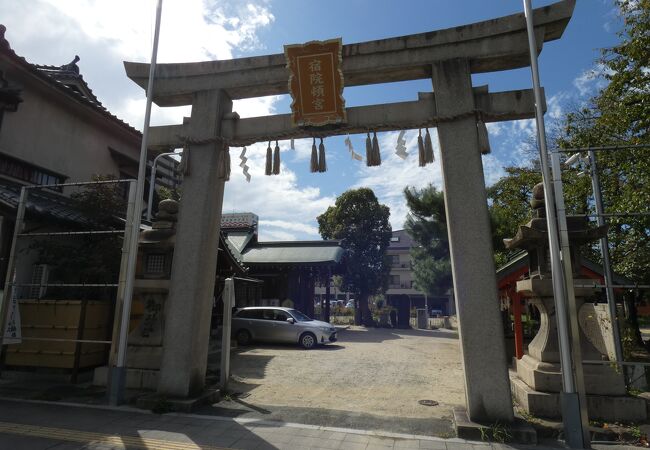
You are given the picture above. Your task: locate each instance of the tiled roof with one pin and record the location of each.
(43, 203)
(65, 78)
(297, 252)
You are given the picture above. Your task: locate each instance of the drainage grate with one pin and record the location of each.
(428, 402)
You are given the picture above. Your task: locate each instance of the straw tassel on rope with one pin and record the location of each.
(376, 154)
(184, 166)
(422, 160)
(268, 170)
(483, 137)
(276, 159)
(428, 148)
(313, 165)
(322, 165)
(368, 150)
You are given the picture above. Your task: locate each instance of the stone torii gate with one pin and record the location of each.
(447, 57)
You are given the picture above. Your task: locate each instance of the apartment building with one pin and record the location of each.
(401, 280)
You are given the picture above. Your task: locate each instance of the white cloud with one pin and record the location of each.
(389, 180)
(294, 226)
(257, 106)
(591, 81)
(103, 35)
(274, 198)
(495, 128)
(191, 30)
(555, 104)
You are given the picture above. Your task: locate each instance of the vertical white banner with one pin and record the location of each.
(12, 334)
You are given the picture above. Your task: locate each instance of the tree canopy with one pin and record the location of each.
(361, 223)
(427, 225)
(619, 114)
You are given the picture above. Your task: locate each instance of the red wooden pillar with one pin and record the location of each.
(519, 329)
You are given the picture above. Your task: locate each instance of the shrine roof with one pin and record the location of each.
(294, 252)
(520, 261)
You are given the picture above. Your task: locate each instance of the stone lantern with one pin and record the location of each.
(538, 383)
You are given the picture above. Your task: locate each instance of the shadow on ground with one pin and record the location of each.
(331, 418)
(369, 335)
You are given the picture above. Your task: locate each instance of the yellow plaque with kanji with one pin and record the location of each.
(316, 83)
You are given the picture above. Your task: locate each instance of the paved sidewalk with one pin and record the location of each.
(32, 425)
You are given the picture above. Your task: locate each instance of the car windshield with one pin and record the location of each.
(300, 317)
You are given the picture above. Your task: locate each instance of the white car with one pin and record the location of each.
(275, 324)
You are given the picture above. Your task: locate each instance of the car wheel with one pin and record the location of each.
(243, 337)
(308, 340)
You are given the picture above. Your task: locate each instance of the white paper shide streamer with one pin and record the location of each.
(242, 164)
(400, 148)
(353, 154)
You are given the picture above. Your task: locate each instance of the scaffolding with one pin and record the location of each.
(14, 288)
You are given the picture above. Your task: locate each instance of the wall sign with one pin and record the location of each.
(316, 83)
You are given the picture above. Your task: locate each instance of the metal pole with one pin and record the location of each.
(572, 310)
(137, 217)
(604, 250)
(118, 373)
(575, 430)
(152, 182)
(229, 302)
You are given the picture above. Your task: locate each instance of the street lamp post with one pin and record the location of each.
(573, 415)
(152, 182)
(118, 372)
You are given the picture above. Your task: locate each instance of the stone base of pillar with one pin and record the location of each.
(139, 379)
(600, 407)
(520, 432)
(547, 377)
(156, 401)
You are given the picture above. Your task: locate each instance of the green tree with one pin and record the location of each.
(620, 115)
(361, 223)
(426, 223)
(509, 205)
(91, 259)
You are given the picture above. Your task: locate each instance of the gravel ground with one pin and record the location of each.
(380, 373)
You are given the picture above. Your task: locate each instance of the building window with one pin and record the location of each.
(393, 260)
(394, 239)
(393, 281)
(27, 172)
(155, 264)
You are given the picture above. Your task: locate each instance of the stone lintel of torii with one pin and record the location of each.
(447, 57)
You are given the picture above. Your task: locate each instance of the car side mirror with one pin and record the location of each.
(291, 320)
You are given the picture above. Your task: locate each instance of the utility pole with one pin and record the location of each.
(575, 428)
(118, 373)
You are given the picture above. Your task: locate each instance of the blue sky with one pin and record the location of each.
(105, 33)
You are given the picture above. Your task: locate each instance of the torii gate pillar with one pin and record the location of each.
(487, 387)
(189, 307)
